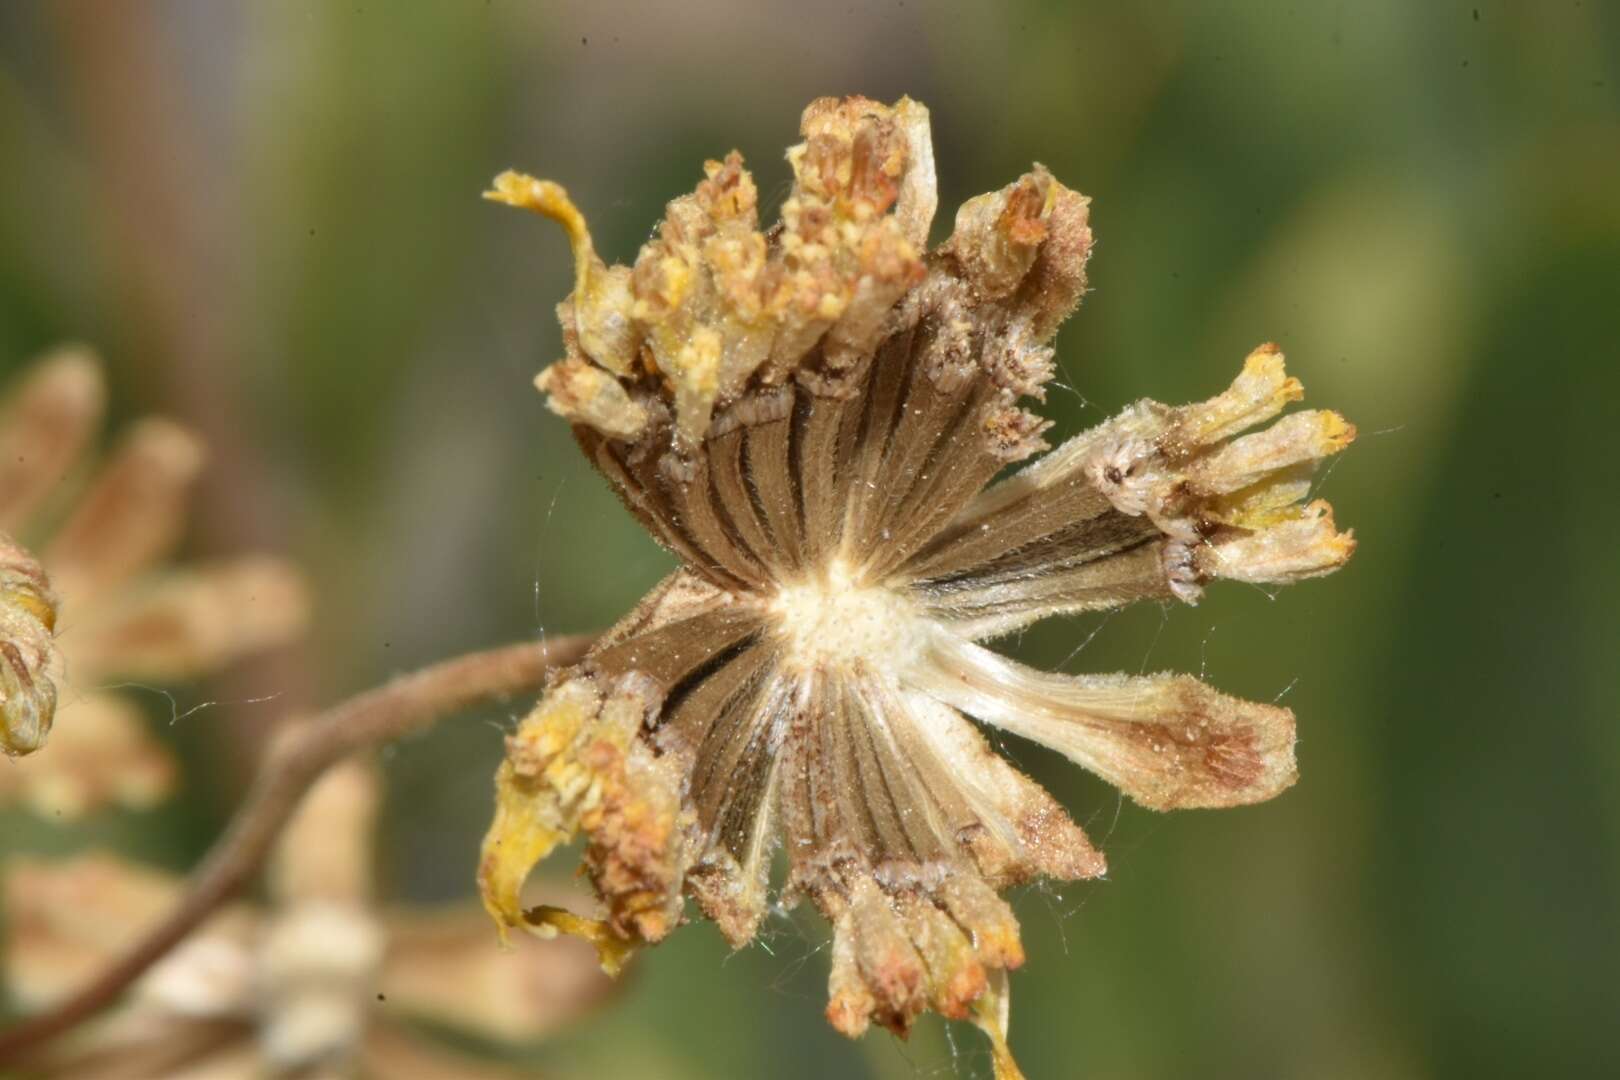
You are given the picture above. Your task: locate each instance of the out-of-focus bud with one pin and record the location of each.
(27, 621)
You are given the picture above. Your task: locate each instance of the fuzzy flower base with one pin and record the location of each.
(809, 417)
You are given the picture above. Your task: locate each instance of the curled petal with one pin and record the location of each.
(539, 792)
(600, 310)
(575, 763)
(1168, 741)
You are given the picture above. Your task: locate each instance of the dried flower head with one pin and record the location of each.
(122, 615)
(321, 982)
(808, 417)
(27, 651)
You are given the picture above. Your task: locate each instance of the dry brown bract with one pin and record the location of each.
(123, 615)
(809, 416)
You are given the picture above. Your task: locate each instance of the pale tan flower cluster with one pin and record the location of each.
(124, 616)
(322, 981)
(809, 416)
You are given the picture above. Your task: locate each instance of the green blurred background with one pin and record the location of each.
(266, 216)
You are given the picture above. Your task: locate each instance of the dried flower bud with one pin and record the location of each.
(27, 623)
(126, 620)
(810, 420)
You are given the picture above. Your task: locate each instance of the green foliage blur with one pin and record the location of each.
(266, 217)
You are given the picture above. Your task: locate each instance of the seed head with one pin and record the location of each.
(809, 417)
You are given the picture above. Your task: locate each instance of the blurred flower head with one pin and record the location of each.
(809, 417)
(321, 981)
(103, 535)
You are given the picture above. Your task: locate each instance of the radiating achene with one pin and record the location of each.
(808, 417)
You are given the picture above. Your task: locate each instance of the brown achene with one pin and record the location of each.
(811, 418)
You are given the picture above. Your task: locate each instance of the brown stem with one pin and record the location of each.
(401, 707)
